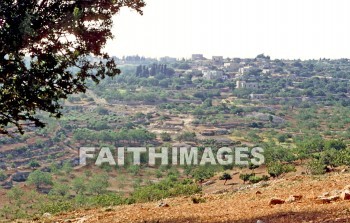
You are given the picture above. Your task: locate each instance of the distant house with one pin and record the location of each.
(257, 96)
(167, 60)
(213, 74)
(244, 70)
(232, 66)
(266, 71)
(198, 57)
(218, 60)
(246, 85)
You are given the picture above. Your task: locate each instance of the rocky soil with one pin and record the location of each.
(293, 199)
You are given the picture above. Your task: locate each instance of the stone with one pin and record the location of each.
(345, 195)
(275, 201)
(47, 215)
(20, 176)
(7, 185)
(82, 220)
(326, 194)
(163, 205)
(258, 192)
(294, 198)
(259, 221)
(326, 200)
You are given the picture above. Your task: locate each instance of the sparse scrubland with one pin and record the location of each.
(301, 121)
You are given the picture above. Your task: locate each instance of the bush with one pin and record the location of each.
(246, 177)
(316, 167)
(39, 178)
(165, 136)
(201, 173)
(98, 184)
(257, 179)
(165, 188)
(275, 169)
(3, 176)
(33, 164)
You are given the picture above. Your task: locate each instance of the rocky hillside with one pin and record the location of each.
(292, 199)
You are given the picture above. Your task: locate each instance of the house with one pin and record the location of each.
(167, 60)
(218, 60)
(257, 96)
(198, 57)
(232, 66)
(266, 71)
(213, 74)
(246, 85)
(245, 70)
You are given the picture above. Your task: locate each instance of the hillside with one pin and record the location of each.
(244, 205)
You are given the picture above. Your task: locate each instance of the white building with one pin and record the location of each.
(212, 74)
(167, 60)
(198, 57)
(244, 70)
(246, 85)
(232, 66)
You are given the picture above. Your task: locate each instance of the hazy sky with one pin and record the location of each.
(236, 28)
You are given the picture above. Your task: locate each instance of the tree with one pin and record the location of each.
(39, 179)
(98, 184)
(275, 169)
(225, 177)
(60, 189)
(78, 185)
(45, 54)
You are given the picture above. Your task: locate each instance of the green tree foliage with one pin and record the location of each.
(246, 177)
(3, 175)
(169, 187)
(335, 144)
(225, 177)
(276, 169)
(79, 185)
(315, 167)
(98, 184)
(39, 179)
(45, 50)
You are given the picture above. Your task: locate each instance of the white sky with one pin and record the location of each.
(292, 29)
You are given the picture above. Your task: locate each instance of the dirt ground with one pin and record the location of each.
(242, 206)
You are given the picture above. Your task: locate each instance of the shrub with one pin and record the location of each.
(33, 164)
(201, 173)
(39, 178)
(275, 169)
(98, 184)
(3, 176)
(246, 177)
(316, 167)
(165, 188)
(165, 136)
